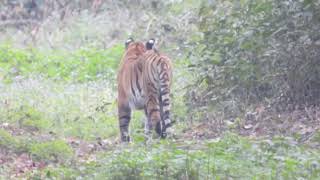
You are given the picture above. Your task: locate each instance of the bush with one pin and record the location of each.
(257, 52)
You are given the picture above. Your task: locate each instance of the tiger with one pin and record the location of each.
(144, 80)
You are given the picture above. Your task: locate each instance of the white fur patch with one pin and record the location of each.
(167, 121)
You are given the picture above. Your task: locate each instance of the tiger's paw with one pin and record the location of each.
(168, 123)
(161, 130)
(125, 139)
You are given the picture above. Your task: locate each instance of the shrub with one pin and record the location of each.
(256, 52)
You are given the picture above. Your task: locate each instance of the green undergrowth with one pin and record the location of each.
(71, 122)
(80, 65)
(50, 150)
(230, 157)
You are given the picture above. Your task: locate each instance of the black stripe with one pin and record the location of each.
(125, 117)
(151, 101)
(166, 102)
(166, 115)
(162, 93)
(137, 82)
(140, 67)
(164, 86)
(164, 66)
(153, 91)
(132, 89)
(164, 77)
(123, 125)
(159, 62)
(124, 122)
(154, 76)
(153, 59)
(152, 86)
(152, 111)
(153, 72)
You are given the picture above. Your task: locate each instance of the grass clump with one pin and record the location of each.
(56, 150)
(7, 141)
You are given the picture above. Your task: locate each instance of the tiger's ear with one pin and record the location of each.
(128, 41)
(150, 44)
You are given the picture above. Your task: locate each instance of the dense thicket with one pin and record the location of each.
(264, 51)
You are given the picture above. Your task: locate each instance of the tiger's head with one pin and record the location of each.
(134, 48)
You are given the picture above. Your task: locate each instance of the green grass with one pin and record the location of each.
(81, 65)
(230, 157)
(86, 111)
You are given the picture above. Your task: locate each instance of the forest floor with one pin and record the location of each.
(289, 145)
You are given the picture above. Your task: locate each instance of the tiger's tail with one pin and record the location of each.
(165, 75)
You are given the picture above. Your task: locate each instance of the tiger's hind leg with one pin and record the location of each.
(124, 114)
(152, 111)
